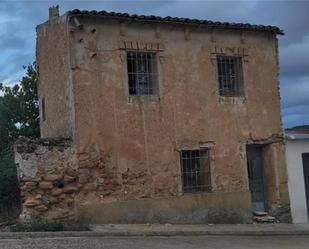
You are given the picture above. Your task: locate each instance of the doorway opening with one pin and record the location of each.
(256, 177)
(305, 158)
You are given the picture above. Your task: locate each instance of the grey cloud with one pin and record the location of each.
(291, 16)
(13, 63)
(141, 7)
(296, 110)
(295, 92)
(295, 120)
(295, 58)
(12, 42)
(213, 10)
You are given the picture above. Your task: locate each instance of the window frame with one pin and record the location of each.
(202, 183)
(154, 74)
(238, 67)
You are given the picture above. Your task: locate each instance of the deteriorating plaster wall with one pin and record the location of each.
(127, 147)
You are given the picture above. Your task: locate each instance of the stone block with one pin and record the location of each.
(46, 185)
(41, 208)
(68, 179)
(62, 196)
(46, 199)
(84, 172)
(100, 181)
(71, 172)
(83, 179)
(69, 201)
(32, 202)
(53, 177)
(56, 191)
(40, 191)
(85, 164)
(70, 189)
(83, 156)
(30, 185)
(90, 186)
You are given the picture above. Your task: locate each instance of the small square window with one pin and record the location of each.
(142, 73)
(195, 166)
(230, 76)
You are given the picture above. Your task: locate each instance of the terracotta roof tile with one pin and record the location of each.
(169, 19)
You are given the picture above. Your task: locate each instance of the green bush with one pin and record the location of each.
(38, 227)
(9, 187)
(52, 226)
(47, 227)
(8, 174)
(19, 116)
(20, 228)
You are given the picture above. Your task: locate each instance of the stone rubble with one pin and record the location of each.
(54, 179)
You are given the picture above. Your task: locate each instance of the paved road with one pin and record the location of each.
(205, 242)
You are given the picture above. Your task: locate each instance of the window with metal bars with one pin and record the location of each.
(230, 76)
(195, 166)
(142, 73)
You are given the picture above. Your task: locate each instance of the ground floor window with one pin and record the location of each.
(195, 166)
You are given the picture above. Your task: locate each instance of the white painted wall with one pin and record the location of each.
(296, 182)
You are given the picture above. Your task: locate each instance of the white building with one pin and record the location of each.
(297, 158)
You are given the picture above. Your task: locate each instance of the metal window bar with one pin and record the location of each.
(195, 168)
(230, 75)
(142, 73)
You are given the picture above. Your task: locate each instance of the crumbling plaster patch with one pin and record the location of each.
(28, 166)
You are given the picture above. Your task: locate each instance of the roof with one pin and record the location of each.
(177, 20)
(297, 135)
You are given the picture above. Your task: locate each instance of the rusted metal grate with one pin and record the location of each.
(142, 72)
(195, 167)
(230, 76)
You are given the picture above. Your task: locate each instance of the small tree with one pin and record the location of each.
(19, 111)
(19, 116)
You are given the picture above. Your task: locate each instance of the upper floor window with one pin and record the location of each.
(142, 72)
(230, 76)
(195, 167)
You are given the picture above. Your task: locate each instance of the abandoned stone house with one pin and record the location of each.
(150, 119)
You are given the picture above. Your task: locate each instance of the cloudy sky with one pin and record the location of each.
(18, 20)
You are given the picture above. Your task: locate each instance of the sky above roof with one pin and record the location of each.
(18, 20)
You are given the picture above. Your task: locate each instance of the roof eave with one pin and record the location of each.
(176, 20)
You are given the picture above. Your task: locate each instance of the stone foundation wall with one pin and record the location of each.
(55, 179)
(282, 212)
(57, 183)
(47, 172)
(215, 207)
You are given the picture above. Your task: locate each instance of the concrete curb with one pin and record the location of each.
(34, 235)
